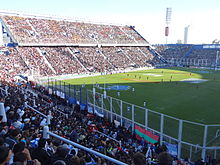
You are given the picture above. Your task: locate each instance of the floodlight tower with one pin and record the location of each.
(168, 20)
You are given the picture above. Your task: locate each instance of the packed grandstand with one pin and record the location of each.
(49, 46)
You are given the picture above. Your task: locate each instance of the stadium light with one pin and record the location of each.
(168, 15)
(168, 21)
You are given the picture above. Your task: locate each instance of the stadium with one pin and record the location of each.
(105, 92)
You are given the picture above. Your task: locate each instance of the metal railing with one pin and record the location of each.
(185, 130)
(46, 134)
(192, 138)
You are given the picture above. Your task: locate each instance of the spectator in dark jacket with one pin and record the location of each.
(62, 154)
(41, 154)
(164, 158)
(139, 159)
(14, 137)
(5, 155)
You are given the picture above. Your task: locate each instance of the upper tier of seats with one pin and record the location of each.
(32, 30)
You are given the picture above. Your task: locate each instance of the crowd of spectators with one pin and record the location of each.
(188, 55)
(151, 60)
(133, 34)
(22, 133)
(20, 28)
(42, 30)
(49, 61)
(92, 59)
(34, 60)
(11, 64)
(173, 51)
(208, 54)
(62, 60)
(140, 56)
(117, 57)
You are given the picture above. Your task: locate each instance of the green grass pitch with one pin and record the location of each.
(163, 91)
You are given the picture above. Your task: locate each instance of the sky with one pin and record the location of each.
(148, 16)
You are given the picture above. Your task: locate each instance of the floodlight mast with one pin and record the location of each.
(168, 21)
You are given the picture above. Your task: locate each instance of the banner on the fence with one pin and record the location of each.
(146, 135)
(171, 148)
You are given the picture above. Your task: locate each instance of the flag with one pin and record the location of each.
(146, 135)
